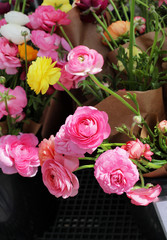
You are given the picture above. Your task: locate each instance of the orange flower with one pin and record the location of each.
(31, 52)
(118, 29)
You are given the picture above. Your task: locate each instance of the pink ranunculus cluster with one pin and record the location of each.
(45, 17)
(8, 56)
(57, 170)
(137, 149)
(16, 102)
(115, 172)
(83, 61)
(2, 22)
(19, 154)
(83, 131)
(68, 80)
(144, 196)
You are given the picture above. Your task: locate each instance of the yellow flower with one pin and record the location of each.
(63, 5)
(31, 52)
(41, 74)
(136, 52)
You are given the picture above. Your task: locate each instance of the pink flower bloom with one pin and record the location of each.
(46, 17)
(137, 149)
(115, 172)
(87, 127)
(2, 22)
(68, 80)
(140, 24)
(64, 145)
(162, 126)
(144, 196)
(59, 180)
(47, 151)
(43, 40)
(82, 60)
(16, 103)
(50, 54)
(19, 154)
(8, 56)
(160, 2)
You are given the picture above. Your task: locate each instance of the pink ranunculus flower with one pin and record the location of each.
(140, 24)
(59, 180)
(162, 126)
(43, 40)
(24, 152)
(160, 2)
(87, 127)
(16, 103)
(68, 80)
(115, 172)
(8, 56)
(47, 151)
(82, 61)
(137, 149)
(64, 145)
(46, 17)
(19, 154)
(144, 196)
(2, 22)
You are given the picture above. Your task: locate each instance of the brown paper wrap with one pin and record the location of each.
(161, 172)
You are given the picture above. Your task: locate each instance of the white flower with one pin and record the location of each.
(13, 32)
(15, 17)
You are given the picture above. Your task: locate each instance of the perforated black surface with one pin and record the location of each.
(92, 214)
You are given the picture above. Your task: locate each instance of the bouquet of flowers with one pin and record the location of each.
(37, 59)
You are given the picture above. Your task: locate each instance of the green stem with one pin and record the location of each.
(70, 94)
(105, 28)
(52, 30)
(88, 158)
(112, 144)
(65, 36)
(139, 165)
(95, 80)
(85, 167)
(125, 12)
(141, 179)
(147, 20)
(131, 41)
(93, 92)
(8, 116)
(110, 46)
(142, 3)
(148, 129)
(150, 164)
(115, 8)
(111, 14)
(24, 5)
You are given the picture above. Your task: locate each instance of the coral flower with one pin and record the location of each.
(31, 52)
(118, 29)
(41, 74)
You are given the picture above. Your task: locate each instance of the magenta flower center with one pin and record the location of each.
(117, 178)
(87, 128)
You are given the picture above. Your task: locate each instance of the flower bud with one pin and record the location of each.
(162, 126)
(2, 79)
(137, 119)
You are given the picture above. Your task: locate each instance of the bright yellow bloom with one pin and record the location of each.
(63, 5)
(31, 52)
(41, 74)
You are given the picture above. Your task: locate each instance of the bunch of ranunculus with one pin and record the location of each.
(19, 154)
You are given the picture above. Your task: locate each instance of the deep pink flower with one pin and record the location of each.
(19, 154)
(8, 56)
(87, 6)
(68, 80)
(137, 149)
(59, 180)
(2, 22)
(160, 2)
(140, 24)
(115, 172)
(16, 103)
(87, 127)
(162, 126)
(64, 145)
(45, 17)
(4, 7)
(43, 40)
(82, 60)
(144, 196)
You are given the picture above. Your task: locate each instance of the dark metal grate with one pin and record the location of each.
(92, 214)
